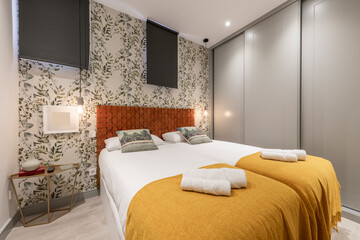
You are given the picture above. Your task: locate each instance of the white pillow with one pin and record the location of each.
(174, 137)
(113, 143)
(158, 141)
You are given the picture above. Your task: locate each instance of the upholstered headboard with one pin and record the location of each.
(158, 120)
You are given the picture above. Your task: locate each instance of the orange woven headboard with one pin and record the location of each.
(158, 120)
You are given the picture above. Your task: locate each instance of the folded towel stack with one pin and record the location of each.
(284, 155)
(214, 181)
(214, 187)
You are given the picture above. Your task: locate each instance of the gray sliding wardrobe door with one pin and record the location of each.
(228, 90)
(331, 89)
(272, 82)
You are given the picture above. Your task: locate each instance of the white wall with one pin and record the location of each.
(8, 108)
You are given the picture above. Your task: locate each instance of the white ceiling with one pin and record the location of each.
(197, 19)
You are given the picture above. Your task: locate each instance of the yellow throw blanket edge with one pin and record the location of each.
(244, 163)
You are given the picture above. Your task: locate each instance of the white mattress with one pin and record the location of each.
(126, 173)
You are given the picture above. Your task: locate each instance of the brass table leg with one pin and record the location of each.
(73, 190)
(17, 200)
(48, 197)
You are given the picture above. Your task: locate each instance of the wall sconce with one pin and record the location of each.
(80, 106)
(205, 112)
(80, 99)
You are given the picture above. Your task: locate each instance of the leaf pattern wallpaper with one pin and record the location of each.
(116, 76)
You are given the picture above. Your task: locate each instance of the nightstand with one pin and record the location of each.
(58, 169)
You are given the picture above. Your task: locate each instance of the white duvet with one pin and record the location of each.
(126, 173)
(220, 151)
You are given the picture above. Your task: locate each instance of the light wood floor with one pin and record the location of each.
(348, 230)
(87, 221)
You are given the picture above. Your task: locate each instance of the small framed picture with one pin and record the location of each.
(60, 119)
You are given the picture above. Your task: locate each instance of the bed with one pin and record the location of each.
(272, 209)
(314, 180)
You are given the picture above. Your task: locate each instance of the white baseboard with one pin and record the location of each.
(9, 225)
(6, 223)
(351, 214)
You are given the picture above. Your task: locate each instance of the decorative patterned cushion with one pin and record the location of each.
(194, 135)
(136, 140)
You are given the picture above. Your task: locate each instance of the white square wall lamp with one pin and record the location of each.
(60, 119)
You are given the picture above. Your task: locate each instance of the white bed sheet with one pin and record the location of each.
(126, 173)
(220, 151)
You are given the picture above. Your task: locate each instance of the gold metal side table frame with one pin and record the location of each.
(58, 169)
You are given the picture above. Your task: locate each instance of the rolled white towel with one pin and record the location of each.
(213, 174)
(301, 154)
(280, 156)
(214, 187)
(236, 177)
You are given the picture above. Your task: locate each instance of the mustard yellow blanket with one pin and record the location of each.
(266, 209)
(314, 180)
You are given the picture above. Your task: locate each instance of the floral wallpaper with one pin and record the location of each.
(116, 76)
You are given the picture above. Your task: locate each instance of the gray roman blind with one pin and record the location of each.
(54, 31)
(161, 55)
